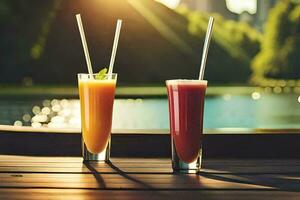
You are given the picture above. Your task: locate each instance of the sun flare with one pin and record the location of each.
(170, 3)
(241, 6)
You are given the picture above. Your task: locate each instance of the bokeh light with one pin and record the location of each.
(255, 95)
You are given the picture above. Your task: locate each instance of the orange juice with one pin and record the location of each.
(96, 102)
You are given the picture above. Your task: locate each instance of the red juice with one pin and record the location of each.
(186, 106)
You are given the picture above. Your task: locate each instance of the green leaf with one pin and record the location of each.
(101, 74)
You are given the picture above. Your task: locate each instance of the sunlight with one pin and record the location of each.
(163, 28)
(241, 6)
(170, 3)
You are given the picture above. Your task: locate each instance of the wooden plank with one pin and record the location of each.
(231, 170)
(66, 159)
(130, 165)
(79, 194)
(125, 181)
(251, 166)
(81, 170)
(70, 172)
(50, 159)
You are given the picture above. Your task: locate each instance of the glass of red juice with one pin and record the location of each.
(186, 107)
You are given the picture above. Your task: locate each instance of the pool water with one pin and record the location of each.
(229, 111)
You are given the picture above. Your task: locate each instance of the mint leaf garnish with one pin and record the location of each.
(101, 74)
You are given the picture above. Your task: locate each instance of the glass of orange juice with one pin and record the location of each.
(96, 104)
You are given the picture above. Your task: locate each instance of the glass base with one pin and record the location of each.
(180, 166)
(186, 168)
(99, 157)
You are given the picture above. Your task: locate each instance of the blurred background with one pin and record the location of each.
(253, 64)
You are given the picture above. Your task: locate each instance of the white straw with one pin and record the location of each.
(115, 46)
(85, 47)
(206, 47)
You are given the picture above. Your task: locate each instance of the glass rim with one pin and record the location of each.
(95, 74)
(185, 81)
(105, 77)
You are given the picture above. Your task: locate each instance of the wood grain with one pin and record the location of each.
(80, 194)
(136, 165)
(28, 177)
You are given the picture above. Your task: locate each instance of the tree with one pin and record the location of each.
(279, 55)
(234, 44)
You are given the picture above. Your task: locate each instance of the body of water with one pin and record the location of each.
(227, 111)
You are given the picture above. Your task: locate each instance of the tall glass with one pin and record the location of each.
(186, 107)
(96, 104)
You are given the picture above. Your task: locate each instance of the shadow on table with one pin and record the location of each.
(98, 177)
(127, 176)
(101, 182)
(282, 182)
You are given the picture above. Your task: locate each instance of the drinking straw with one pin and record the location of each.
(85, 47)
(115, 46)
(206, 47)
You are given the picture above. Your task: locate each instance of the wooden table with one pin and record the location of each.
(29, 177)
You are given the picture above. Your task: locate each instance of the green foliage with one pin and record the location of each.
(38, 47)
(233, 46)
(279, 55)
(4, 10)
(101, 74)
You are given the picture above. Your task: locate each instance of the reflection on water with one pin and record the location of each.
(254, 111)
